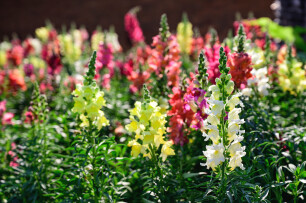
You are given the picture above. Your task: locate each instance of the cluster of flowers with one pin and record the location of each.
(184, 35)
(181, 117)
(165, 56)
(132, 26)
(42, 59)
(292, 77)
(148, 124)
(5, 117)
(89, 99)
(222, 125)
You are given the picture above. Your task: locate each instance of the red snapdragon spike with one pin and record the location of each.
(133, 29)
(132, 68)
(212, 55)
(52, 35)
(138, 78)
(251, 31)
(28, 69)
(240, 68)
(15, 55)
(28, 48)
(181, 117)
(173, 73)
(197, 46)
(16, 81)
(54, 64)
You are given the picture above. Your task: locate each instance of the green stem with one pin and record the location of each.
(159, 173)
(93, 163)
(223, 114)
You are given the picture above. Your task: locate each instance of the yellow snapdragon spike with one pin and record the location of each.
(101, 120)
(92, 110)
(42, 33)
(158, 140)
(148, 139)
(184, 36)
(3, 59)
(96, 39)
(292, 80)
(89, 100)
(136, 148)
(167, 150)
(99, 100)
(79, 105)
(85, 122)
(148, 123)
(88, 92)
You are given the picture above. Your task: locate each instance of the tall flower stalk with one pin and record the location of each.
(88, 101)
(222, 126)
(148, 124)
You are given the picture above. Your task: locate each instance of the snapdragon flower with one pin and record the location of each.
(222, 125)
(89, 99)
(292, 75)
(184, 35)
(69, 48)
(148, 125)
(259, 80)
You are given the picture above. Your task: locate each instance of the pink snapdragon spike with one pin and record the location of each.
(212, 56)
(2, 108)
(195, 100)
(105, 60)
(169, 63)
(13, 155)
(29, 117)
(7, 119)
(132, 27)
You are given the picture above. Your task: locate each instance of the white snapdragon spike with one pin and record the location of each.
(236, 151)
(234, 101)
(216, 107)
(247, 91)
(260, 80)
(213, 134)
(215, 155)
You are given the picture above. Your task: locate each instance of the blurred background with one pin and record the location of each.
(23, 17)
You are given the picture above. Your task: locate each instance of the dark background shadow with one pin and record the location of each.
(24, 16)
